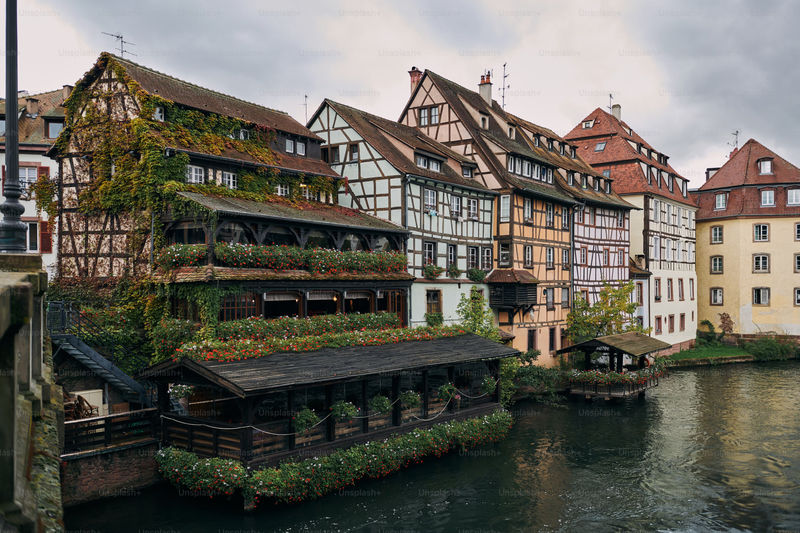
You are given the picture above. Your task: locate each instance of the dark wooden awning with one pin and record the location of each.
(287, 370)
(632, 343)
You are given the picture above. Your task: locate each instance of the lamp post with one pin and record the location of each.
(12, 230)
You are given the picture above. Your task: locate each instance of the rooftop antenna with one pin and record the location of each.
(505, 85)
(121, 42)
(610, 101)
(735, 140)
(305, 104)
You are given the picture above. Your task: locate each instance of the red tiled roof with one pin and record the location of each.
(742, 169)
(511, 276)
(31, 129)
(621, 158)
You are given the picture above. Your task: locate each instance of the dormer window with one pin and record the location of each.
(466, 171)
(536, 141)
(526, 169)
(765, 166)
(484, 122)
(596, 181)
(429, 163)
(54, 128)
(550, 144)
(588, 124)
(300, 148)
(242, 134)
(639, 148)
(230, 180)
(289, 146)
(767, 198)
(572, 152)
(608, 187)
(571, 178)
(599, 147)
(195, 174)
(584, 181)
(510, 131)
(158, 114)
(607, 173)
(721, 200)
(561, 148)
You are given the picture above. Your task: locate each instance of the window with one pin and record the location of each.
(528, 256)
(620, 219)
(435, 165)
(765, 166)
(33, 237)
(505, 208)
(716, 296)
(54, 127)
(658, 325)
(571, 178)
(721, 200)
(590, 216)
(511, 132)
(716, 234)
(760, 232)
(583, 255)
(472, 257)
(549, 298)
(587, 124)
(430, 199)
(486, 258)
(195, 174)
(680, 289)
(240, 306)
(472, 208)
(797, 297)
(531, 339)
(761, 296)
(669, 289)
(423, 116)
(230, 180)
(767, 198)
(282, 189)
(671, 322)
(27, 177)
(691, 288)
(505, 254)
(433, 301)
(565, 297)
(596, 182)
(668, 249)
(484, 122)
(607, 174)
(656, 248)
(573, 152)
(289, 146)
(797, 231)
(639, 293)
(584, 181)
(158, 114)
(305, 190)
(656, 210)
(716, 264)
(301, 147)
(422, 161)
(455, 206)
(793, 197)
(565, 259)
(434, 115)
(683, 321)
(452, 255)
(657, 289)
(429, 253)
(550, 253)
(526, 168)
(620, 257)
(527, 210)
(797, 262)
(2, 125)
(550, 216)
(599, 147)
(353, 152)
(579, 215)
(564, 218)
(466, 172)
(605, 258)
(761, 263)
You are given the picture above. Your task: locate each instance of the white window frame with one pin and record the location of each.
(768, 198)
(430, 199)
(466, 171)
(761, 263)
(423, 116)
(528, 255)
(599, 147)
(717, 264)
(793, 197)
(434, 115)
(757, 235)
(158, 114)
(434, 165)
(588, 124)
(300, 148)
(31, 174)
(472, 208)
(797, 296)
(527, 209)
(716, 236)
(289, 146)
(550, 257)
(230, 180)
(428, 253)
(721, 201)
(762, 294)
(422, 161)
(765, 166)
(717, 296)
(282, 189)
(455, 205)
(656, 211)
(505, 208)
(195, 174)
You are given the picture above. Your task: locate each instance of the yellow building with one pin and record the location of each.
(748, 243)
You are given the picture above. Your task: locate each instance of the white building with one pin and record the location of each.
(41, 119)
(397, 173)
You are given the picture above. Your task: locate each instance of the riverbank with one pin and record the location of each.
(716, 355)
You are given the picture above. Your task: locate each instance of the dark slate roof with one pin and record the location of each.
(198, 97)
(631, 343)
(382, 134)
(31, 129)
(511, 276)
(285, 370)
(313, 212)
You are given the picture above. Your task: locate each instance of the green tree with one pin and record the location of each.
(476, 316)
(612, 313)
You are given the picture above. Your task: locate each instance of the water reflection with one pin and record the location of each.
(709, 449)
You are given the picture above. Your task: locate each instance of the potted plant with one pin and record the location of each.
(343, 411)
(409, 399)
(453, 271)
(448, 392)
(305, 419)
(488, 385)
(476, 274)
(432, 271)
(379, 404)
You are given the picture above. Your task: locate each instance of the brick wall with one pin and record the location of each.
(675, 348)
(122, 472)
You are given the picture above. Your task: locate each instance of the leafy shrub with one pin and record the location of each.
(169, 334)
(770, 348)
(181, 255)
(208, 477)
(379, 404)
(448, 392)
(344, 411)
(317, 260)
(286, 327)
(476, 274)
(432, 271)
(453, 271)
(488, 385)
(305, 419)
(409, 399)
(434, 319)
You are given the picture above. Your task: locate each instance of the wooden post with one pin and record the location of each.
(330, 427)
(396, 414)
(365, 420)
(107, 431)
(425, 394)
(246, 438)
(451, 371)
(496, 376)
(163, 396)
(290, 425)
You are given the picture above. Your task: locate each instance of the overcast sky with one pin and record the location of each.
(686, 76)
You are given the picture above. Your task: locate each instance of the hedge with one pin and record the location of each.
(310, 479)
(169, 334)
(181, 255)
(318, 260)
(286, 327)
(239, 349)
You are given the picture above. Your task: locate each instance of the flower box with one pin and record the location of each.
(348, 428)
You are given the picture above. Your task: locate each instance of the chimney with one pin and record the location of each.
(710, 172)
(733, 152)
(32, 107)
(485, 88)
(616, 110)
(65, 91)
(416, 75)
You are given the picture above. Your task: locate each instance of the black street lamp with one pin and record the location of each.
(12, 230)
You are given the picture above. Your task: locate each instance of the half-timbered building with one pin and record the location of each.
(530, 286)
(398, 173)
(665, 219)
(600, 221)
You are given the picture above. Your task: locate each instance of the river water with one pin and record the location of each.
(710, 449)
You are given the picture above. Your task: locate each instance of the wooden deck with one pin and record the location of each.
(608, 392)
(101, 433)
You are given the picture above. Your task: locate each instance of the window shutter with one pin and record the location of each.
(45, 238)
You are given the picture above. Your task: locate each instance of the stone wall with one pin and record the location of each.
(106, 474)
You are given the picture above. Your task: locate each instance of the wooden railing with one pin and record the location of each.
(117, 429)
(618, 389)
